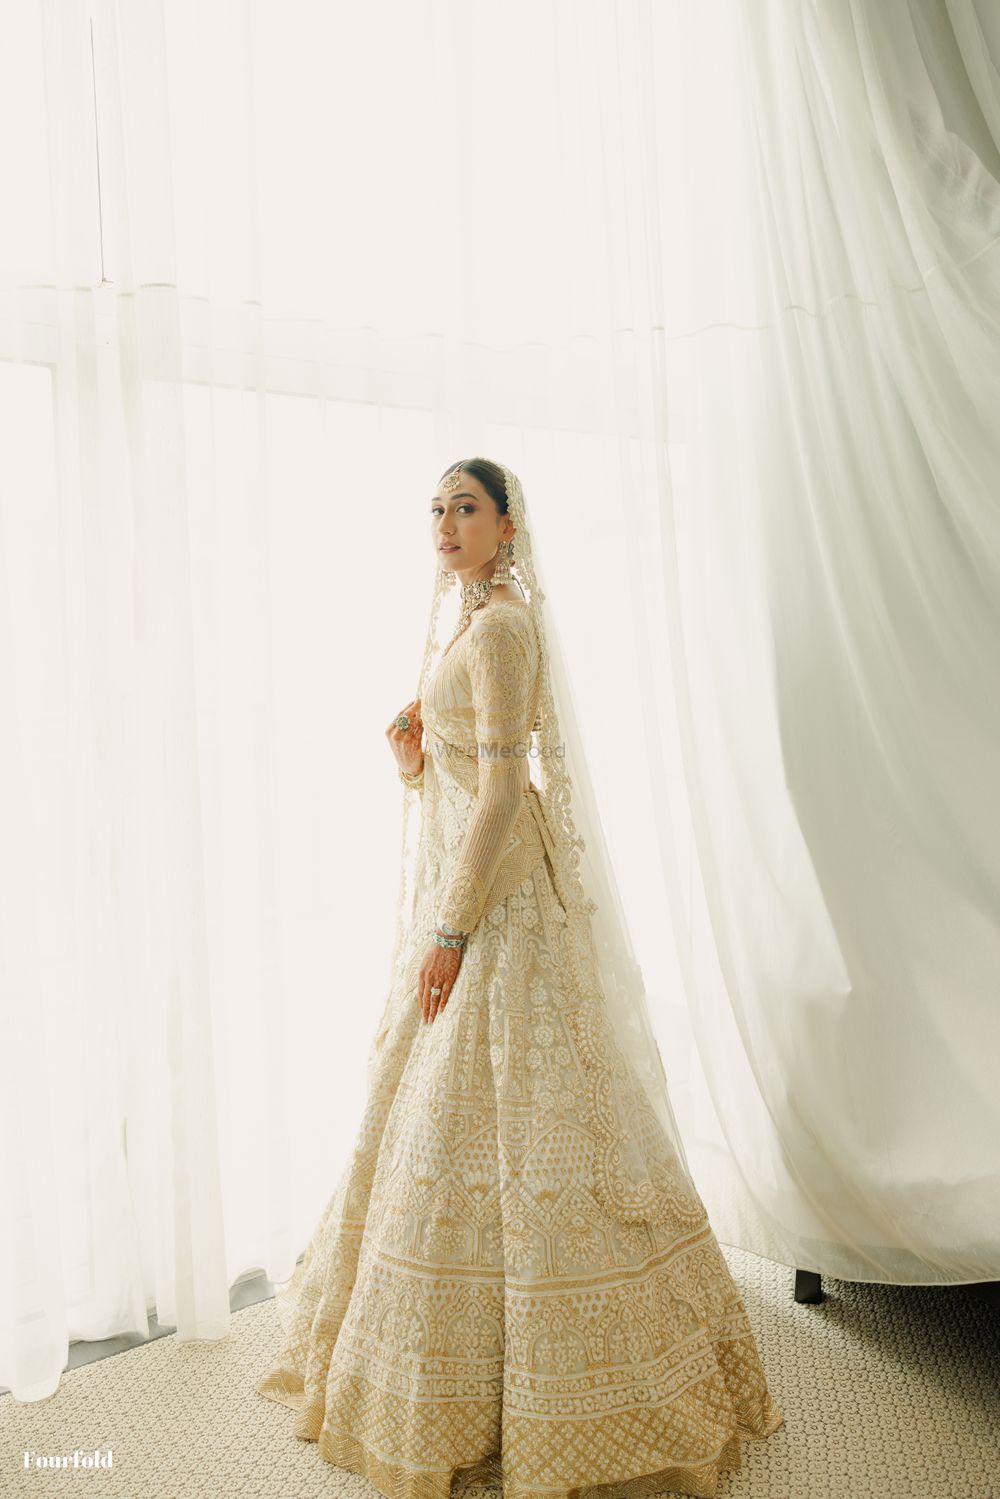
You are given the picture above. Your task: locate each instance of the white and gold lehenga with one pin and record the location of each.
(482, 1298)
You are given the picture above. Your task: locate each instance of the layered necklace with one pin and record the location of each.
(474, 595)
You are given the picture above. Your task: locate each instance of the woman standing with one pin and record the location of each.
(515, 1279)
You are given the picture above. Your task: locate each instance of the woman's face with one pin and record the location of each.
(466, 522)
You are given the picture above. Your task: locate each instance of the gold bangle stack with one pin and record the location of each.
(415, 781)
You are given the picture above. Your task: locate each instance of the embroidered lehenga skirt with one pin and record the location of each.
(470, 1306)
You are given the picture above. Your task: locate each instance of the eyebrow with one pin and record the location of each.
(462, 495)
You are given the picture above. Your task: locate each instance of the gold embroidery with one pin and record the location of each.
(485, 1297)
(500, 665)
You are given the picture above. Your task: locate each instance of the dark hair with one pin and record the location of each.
(490, 476)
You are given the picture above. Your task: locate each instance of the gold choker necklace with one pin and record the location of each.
(473, 596)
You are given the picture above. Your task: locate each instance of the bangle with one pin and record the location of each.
(457, 941)
(414, 780)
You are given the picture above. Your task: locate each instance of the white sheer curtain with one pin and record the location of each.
(841, 745)
(720, 283)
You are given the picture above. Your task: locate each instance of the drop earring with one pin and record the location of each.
(505, 559)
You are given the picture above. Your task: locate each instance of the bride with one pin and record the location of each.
(515, 1280)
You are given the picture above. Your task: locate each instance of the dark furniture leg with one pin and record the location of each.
(808, 1286)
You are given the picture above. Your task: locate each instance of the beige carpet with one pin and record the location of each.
(889, 1392)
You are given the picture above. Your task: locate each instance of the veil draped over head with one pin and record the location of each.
(586, 886)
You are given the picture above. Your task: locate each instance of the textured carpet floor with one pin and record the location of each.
(889, 1392)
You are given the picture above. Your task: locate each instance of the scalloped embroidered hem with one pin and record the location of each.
(514, 1268)
(394, 1480)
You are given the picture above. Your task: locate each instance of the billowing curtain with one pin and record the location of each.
(831, 562)
(720, 283)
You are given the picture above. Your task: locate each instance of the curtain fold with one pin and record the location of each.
(720, 284)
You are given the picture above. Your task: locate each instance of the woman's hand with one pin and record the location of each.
(405, 743)
(439, 970)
